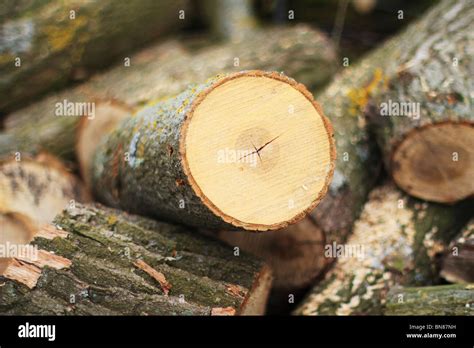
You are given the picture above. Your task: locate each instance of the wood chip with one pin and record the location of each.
(50, 232)
(158, 276)
(219, 311)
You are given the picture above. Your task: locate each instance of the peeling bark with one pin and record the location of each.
(109, 262)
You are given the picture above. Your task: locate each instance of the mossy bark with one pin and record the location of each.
(431, 300)
(104, 251)
(397, 240)
(168, 68)
(458, 262)
(55, 45)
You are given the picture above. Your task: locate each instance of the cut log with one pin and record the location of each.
(397, 241)
(47, 44)
(99, 261)
(295, 254)
(458, 263)
(164, 70)
(248, 150)
(431, 300)
(38, 188)
(421, 105)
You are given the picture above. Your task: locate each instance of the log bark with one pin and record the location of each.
(458, 263)
(99, 261)
(55, 45)
(166, 69)
(421, 105)
(171, 160)
(396, 241)
(431, 300)
(232, 20)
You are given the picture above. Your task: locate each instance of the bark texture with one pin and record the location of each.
(458, 263)
(431, 300)
(426, 80)
(165, 70)
(396, 241)
(99, 261)
(55, 45)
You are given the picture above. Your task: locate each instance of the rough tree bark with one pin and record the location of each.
(99, 261)
(166, 69)
(55, 45)
(458, 263)
(168, 160)
(396, 241)
(421, 107)
(431, 300)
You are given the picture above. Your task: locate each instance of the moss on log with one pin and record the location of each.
(458, 262)
(421, 104)
(167, 160)
(431, 300)
(99, 261)
(396, 241)
(166, 69)
(47, 44)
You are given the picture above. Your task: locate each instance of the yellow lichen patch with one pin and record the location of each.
(359, 97)
(61, 36)
(112, 220)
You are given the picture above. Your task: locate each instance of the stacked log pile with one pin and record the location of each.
(359, 198)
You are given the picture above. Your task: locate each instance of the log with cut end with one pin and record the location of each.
(458, 263)
(166, 69)
(99, 261)
(47, 44)
(37, 187)
(421, 105)
(396, 241)
(248, 150)
(295, 254)
(431, 300)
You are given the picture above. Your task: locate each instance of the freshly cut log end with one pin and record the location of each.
(295, 254)
(436, 162)
(108, 114)
(257, 150)
(248, 150)
(38, 188)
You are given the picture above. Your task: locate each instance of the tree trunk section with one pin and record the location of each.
(295, 254)
(458, 263)
(165, 70)
(431, 300)
(421, 105)
(396, 241)
(47, 45)
(99, 261)
(190, 158)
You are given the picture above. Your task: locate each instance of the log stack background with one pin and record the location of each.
(400, 192)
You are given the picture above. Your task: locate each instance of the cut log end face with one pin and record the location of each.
(258, 151)
(436, 162)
